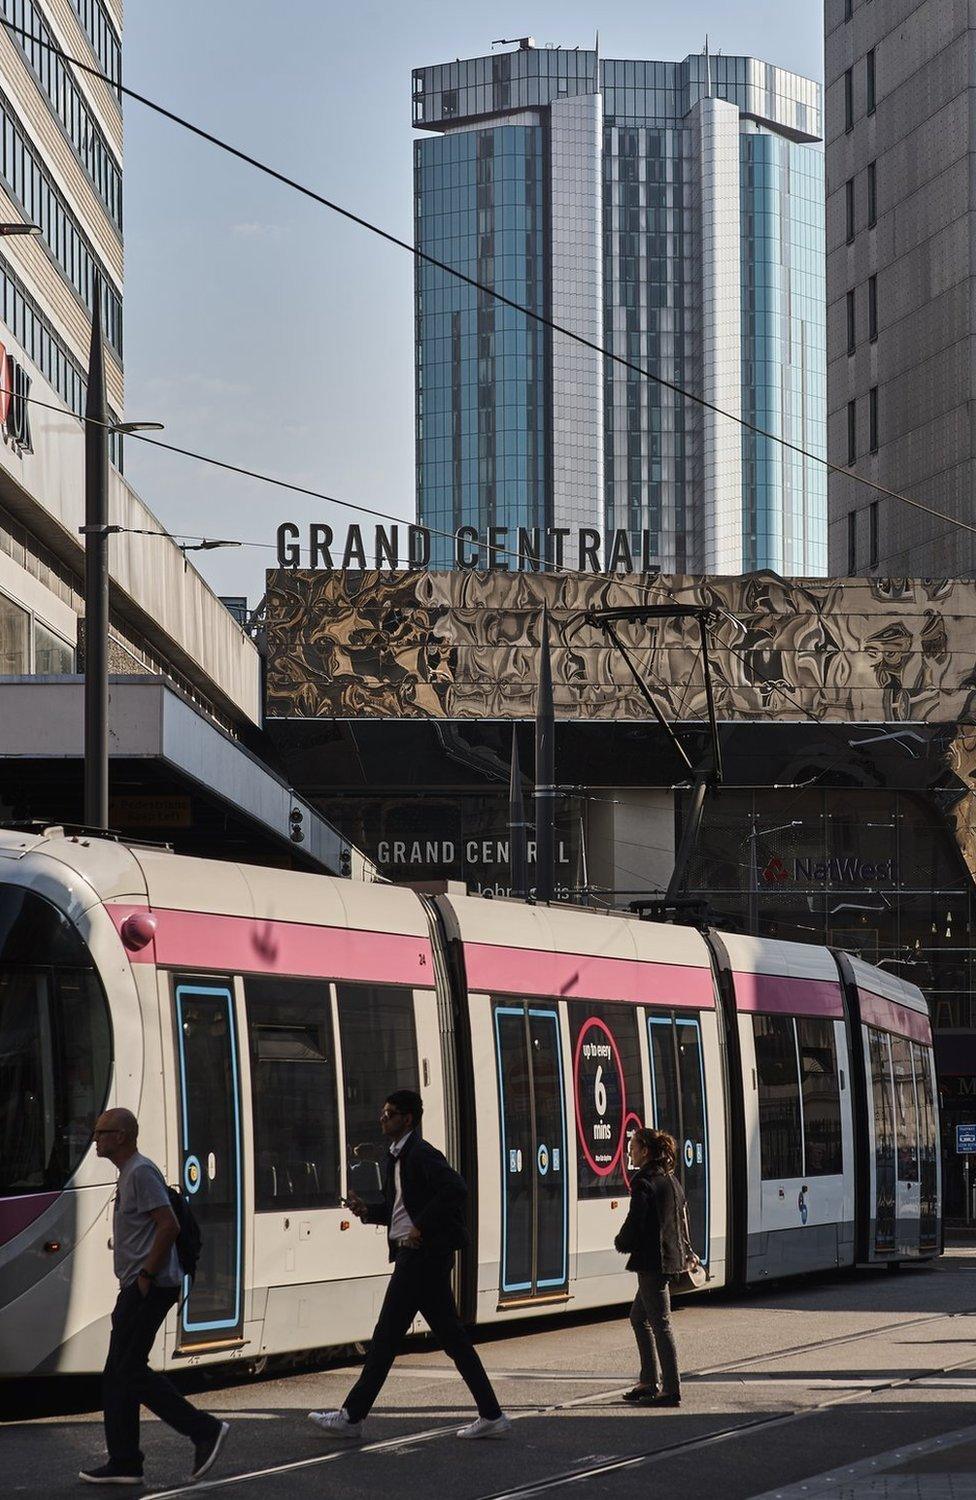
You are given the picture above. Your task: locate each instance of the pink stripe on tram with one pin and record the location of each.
(529, 971)
(249, 945)
(781, 993)
(878, 1011)
(17, 1213)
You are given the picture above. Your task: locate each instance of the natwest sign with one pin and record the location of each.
(839, 870)
(14, 408)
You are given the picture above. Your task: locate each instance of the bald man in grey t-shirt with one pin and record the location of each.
(144, 1234)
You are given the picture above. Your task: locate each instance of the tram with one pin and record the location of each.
(255, 1019)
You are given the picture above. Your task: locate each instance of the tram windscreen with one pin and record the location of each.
(55, 1045)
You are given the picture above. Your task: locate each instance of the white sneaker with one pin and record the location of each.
(337, 1425)
(487, 1427)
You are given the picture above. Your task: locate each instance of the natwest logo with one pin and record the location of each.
(839, 870)
(14, 409)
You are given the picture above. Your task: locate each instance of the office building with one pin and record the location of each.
(900, 266)
(670, 213)
(186, 748)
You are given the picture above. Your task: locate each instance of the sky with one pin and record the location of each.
(260, 327)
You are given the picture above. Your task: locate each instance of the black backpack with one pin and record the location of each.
(189, 1241)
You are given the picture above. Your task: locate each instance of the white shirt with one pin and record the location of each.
(400, 1221)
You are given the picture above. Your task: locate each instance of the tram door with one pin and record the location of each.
(907, 1194)
(678, 1088)
(883, 1116)
(532, 1102)
(212, 1310)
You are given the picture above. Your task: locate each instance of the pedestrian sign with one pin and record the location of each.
(965, 1138)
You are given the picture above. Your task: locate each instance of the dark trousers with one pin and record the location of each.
(421, 1282)
(128, 1382)
(650, 1318)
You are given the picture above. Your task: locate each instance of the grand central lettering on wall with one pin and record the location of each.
(498, 548)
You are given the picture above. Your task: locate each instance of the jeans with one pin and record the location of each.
(128, 1382)
(650, 1318)
(421, 1282)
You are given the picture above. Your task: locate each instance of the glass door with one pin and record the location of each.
(884, 1142)
(906, 1137)
(210, 1158)
(678, 1090)
(528, 1047)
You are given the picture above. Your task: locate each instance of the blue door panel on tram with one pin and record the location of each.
(212, 1308)
(678, 1089)
(528, 1048)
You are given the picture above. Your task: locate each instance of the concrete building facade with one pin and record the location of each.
(669, 213)
(901, 256)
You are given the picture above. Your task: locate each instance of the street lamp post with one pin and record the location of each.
(97, 530)
(96, 578)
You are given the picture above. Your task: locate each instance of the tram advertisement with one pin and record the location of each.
(601, 1100)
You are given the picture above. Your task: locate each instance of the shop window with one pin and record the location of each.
(293, 1094)
(379, 1054)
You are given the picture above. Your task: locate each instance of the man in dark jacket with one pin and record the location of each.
(423, 1209)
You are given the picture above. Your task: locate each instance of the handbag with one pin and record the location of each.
(694, 1275)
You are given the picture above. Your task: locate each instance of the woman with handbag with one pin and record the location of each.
(654, 1236)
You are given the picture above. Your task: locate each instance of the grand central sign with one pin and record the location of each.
(502, 549)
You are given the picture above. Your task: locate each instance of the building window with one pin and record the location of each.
(14, 639)
(849, 208)
(871, 82)
(873, 419)
(848, 9)
(31, 185)
(873, 552)
(52, 655)
(872, 308)
(51, 71)
(102, 34)
(293, 1094)
(851, 543)
(851, 323)
(849, 99)
(851, 432)
(872, 194)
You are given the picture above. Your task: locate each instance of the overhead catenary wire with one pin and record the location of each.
(422, 255)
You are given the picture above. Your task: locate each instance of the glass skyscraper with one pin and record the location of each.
(670, 213)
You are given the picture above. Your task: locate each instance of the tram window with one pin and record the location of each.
(293, 1094)
(822, 1140)
(928, 1147)
(379, 1054)
(609, 1094)
(884, 1140)
(906, 1122)
(780, 1133)
(55, 1059)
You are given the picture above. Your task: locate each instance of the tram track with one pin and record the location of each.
(618, 1464)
